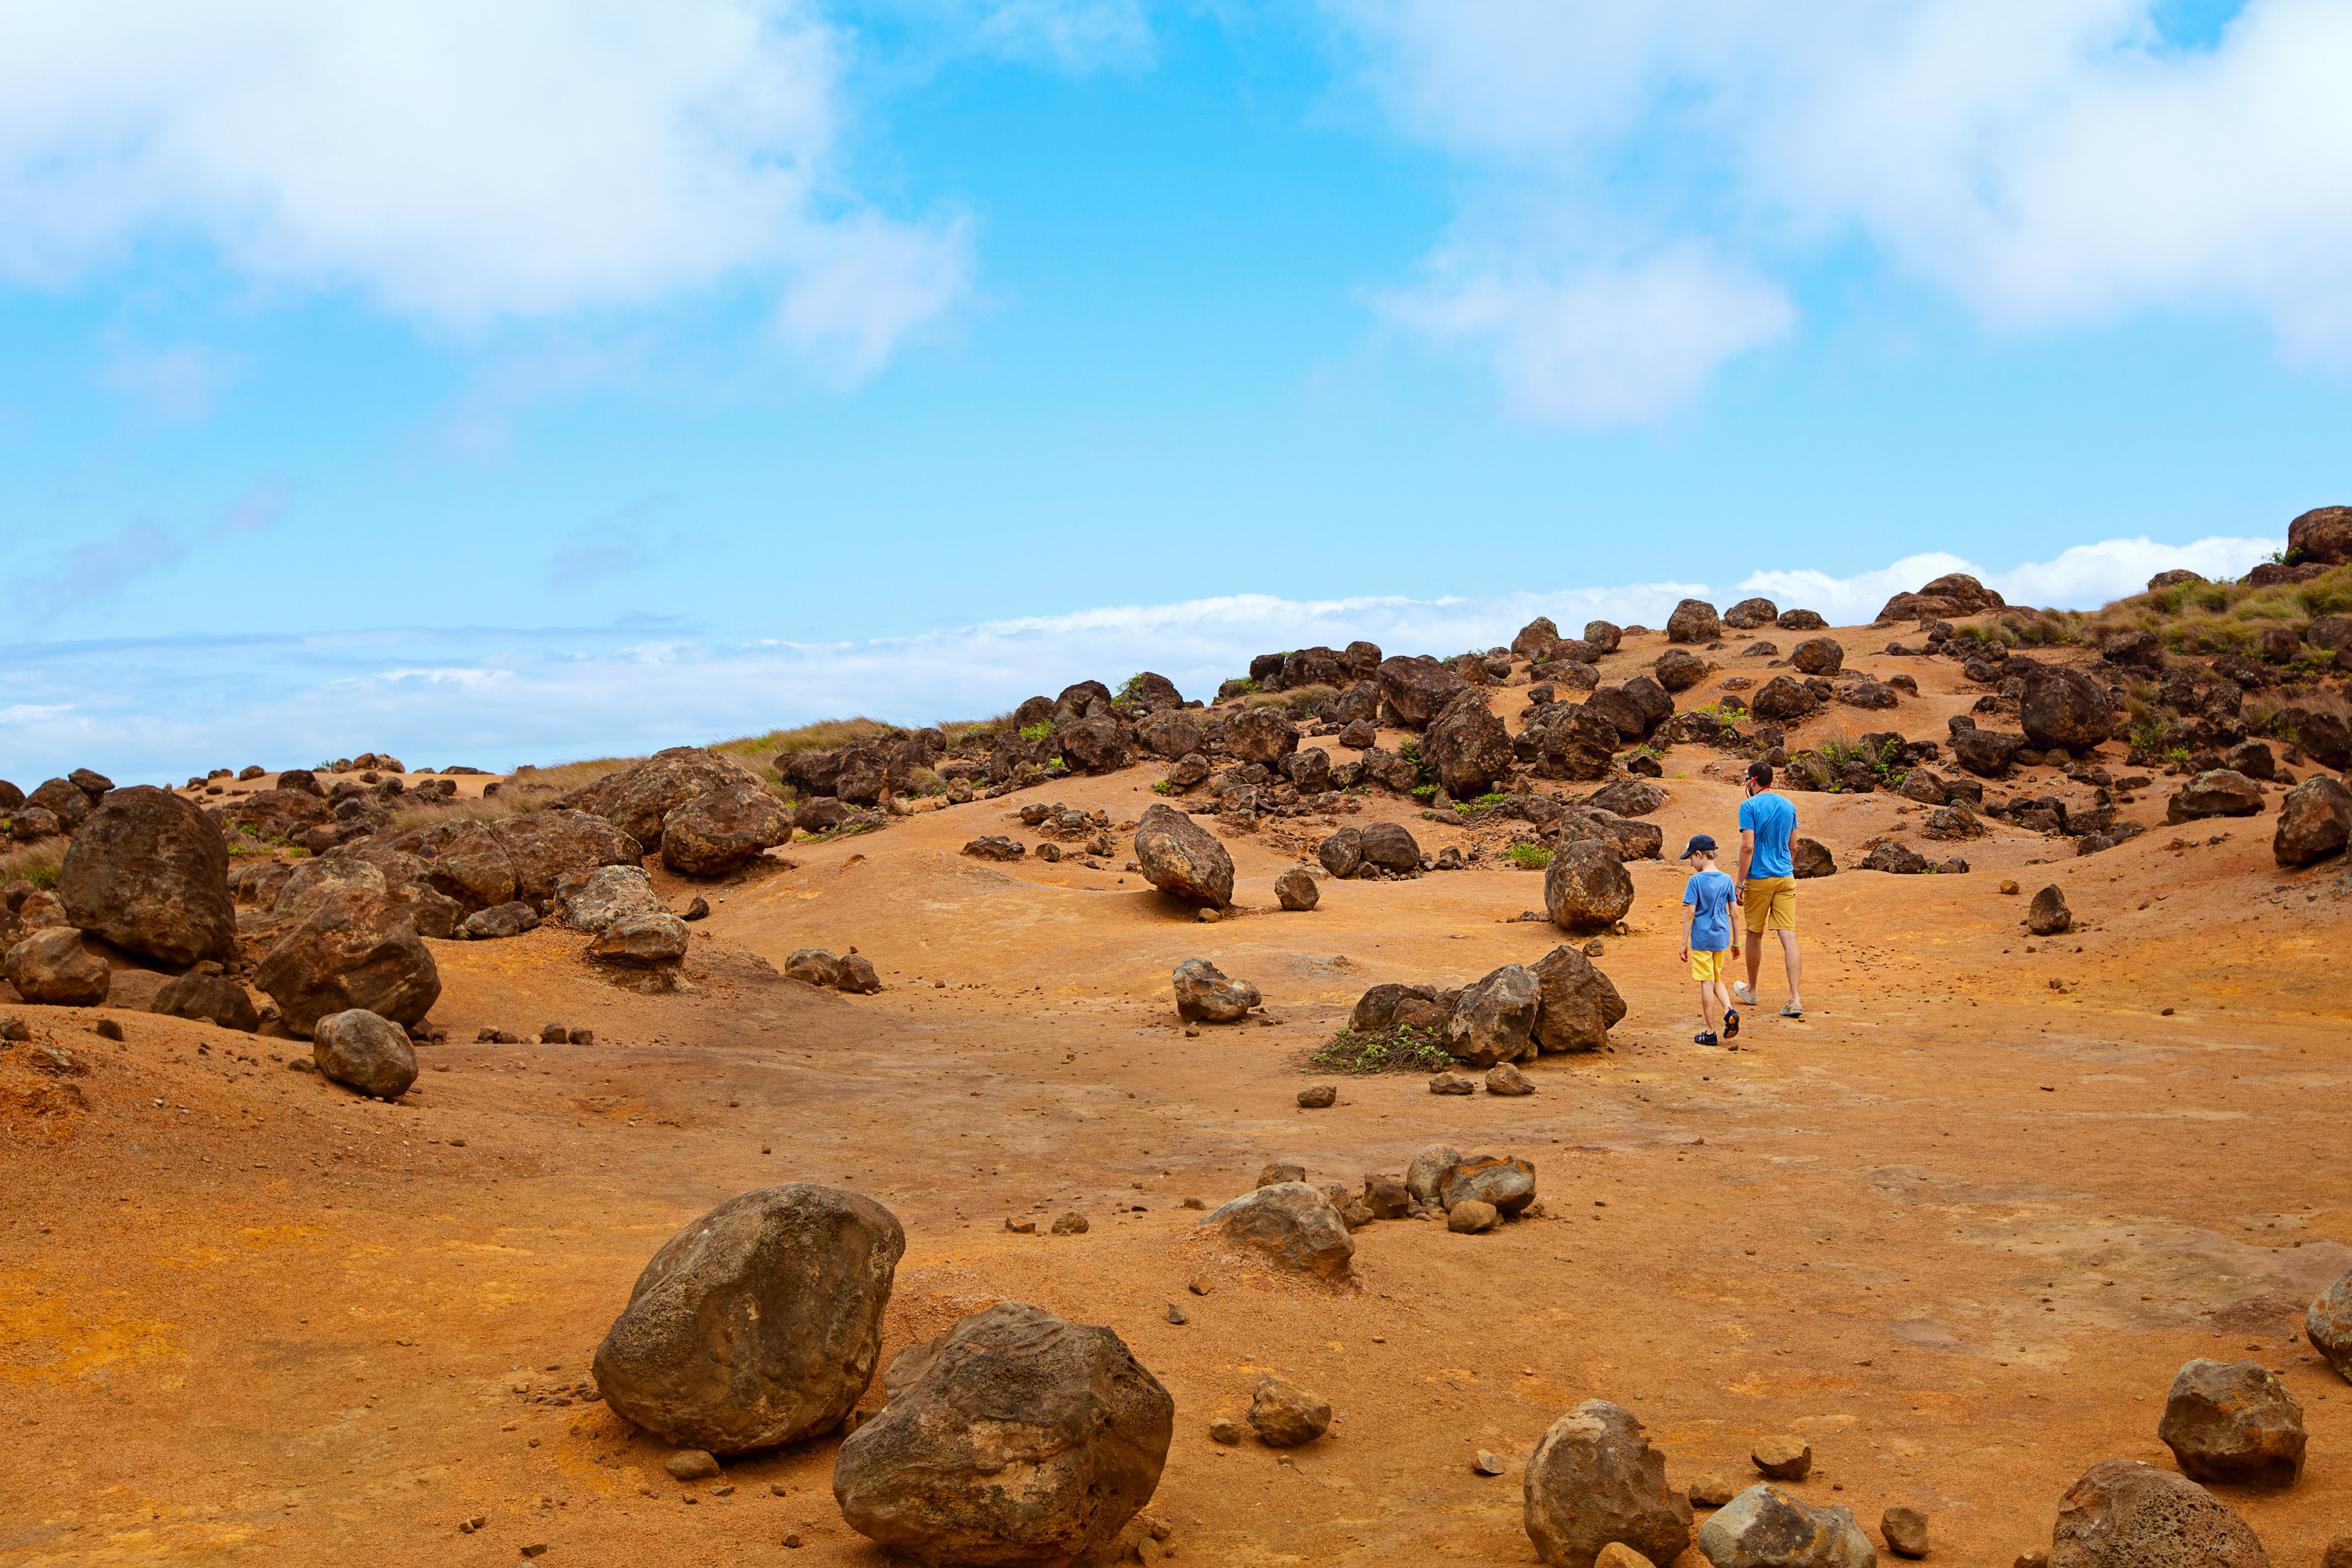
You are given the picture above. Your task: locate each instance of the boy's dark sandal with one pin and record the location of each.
(1703, 1038)
(1731, 1023)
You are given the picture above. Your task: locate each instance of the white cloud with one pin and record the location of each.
(2047, 162)
(491, 699)
(454, 162)
(1602, 346)
(1073, 35)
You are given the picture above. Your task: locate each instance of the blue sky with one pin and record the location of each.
(577, 380)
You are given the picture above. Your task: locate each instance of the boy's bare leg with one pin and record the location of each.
(1788, 960)
(1706, 1015)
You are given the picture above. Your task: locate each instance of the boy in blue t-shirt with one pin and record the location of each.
(1707, 937)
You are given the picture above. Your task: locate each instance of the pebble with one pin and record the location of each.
(1176, 1314)
(691, 1464)
(1226, 1430)
(1712, 1492)
(1453, 1083)
(1905, 1529)
(1783, 1458)
(1617, 1554)
(1070, 1224)
(1317, 1096)
(1200, 1287)
(1486, 1464)
(107, 1029)
(1470, 1216)
(792, 1539)
(2340, 1553)
(1021, 1226)
(1506, 1078)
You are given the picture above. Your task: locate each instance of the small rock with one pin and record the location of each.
(1194, 1203)
(1486, 1464)
(2010, 889)
(553, 1035)
(1071, 1224)
(1297, 889)
(1453, 1083)
(1287, 1416)
(581, 1037)
(2048, 914)
(361, 1051)
(1783, 1458)
(1293, 1224)
(1176, 1315)
(1764, 1527)
(1506, 1078)
(1905, 1529)
(1470, 1216)
(1279, 1172)
(1319, 1097)
(699, 910)
(691, 1464)
(1617, 1554)
(1021, 1226)
(107, 1029)
(1712, 1492)
(2233, 1422)
(1204, 994)
(1226, 1430)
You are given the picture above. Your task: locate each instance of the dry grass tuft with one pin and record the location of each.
(37, 862)
(2215, 618)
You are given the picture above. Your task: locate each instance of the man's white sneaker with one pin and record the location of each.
(1744, 994)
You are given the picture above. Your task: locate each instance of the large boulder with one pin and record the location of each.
(1578, 744)
(1181, 857)
(1629, 797)
(1678, 670)
(1503, 1181)
(1987, 753)
(1418, 688)
(1801, 621)
(1314, 666)
(357, 949)
(207, 999)
(1469, 747)
(1293, 1224)
(2315, 822)
(2327, 1324)
(1625, 837)
(1750, 614)
(1602, 636)
(1764, 1527)
(148, 872)
(2323, 534)
(362, 1051)
(545, 847)
(1694, 620)
(1151, 693)
(1494, 1020)
(468, 862)
(1576, 1005)
(63, 799)
(2048, 915)
(2064, 709)
(592, 899)
(1205, 995)
(1013, 1438)
(1388, 847)
(52, 968)
(1535, 638)
(1817, 656)
(1948, 598)
(723, 829)
(1260, 736)
(2235, 1423)
(655, 938)
(1170, 733)
(278, 814)
(758, 1324)
(2220, 792)
(1783, 699)
(1586, 887)
(1342, 854)
(1097, 745)
(2125, 1514)
(637, 798)
(1595, 1478)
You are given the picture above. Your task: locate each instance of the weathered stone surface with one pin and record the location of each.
(1425, 1178)
(1811, 858)
(1377, 1007)
(1453, 1083)
(2218, 793)
(1507, 1079)
(637, 798)
(1297, 889)
(1800, 621)
(723, 829)
(2328, 1325)
(815, 965)
(648, 940)
(1749, 613)
(1390, 846)
(1260, 736)
(1285, 1415)
(148, 872)
(1293, 1224)
(1948, 598)
(362, 1051)
(1418, 688)
(1782, 1458)
(2064, 709)
(63, 799)
(1586, 887)
(2315, 822)
(1342, 854)
(1694, 620)
(1535, 638)
(1678, 670)
(1205, 995)
(1097, 745)
(1629, 797)
(1817, 656)
(2233, 1423)
(1603, 637)
(1471, 1216)
(1494, 1020)
(2323, 534)
(1987, 753)
(1181, 858)
(1173, 734)
(208, 999)
(758, 1324)
(356, 949)
(1015, 1438)
(1764, 1527)
(468, 861)
(1595, 1480)
(1506, 1180)
(995, 847)
(2125, 1514)
(1469, 747)
(52, 968)
(1577, 1004)
(545, 847)
(591, 900)
(1783, 699)
(1906, 1531)
(2048, 915)
(1151, 693)
(499, 920)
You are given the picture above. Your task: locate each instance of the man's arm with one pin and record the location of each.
(1747, 852)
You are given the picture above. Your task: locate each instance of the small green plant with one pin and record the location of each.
(2178, 754)
(1241, 686)
(1400, 1049)
(1168, 786)
(1424, 792)
(1041, 730)
(42, 876)
(1530, 856)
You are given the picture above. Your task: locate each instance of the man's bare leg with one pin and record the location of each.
(1755, 965)
(1789, 960)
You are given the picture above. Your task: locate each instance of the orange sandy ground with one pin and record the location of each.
(1956, 1229)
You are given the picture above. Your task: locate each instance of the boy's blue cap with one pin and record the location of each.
(1698, 841)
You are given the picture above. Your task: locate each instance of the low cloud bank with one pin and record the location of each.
(157, 710)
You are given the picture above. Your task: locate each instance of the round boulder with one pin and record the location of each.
(361, 1051)
(1798, 621)
(1469, 747)
(2235, 1423)
(1595, 1478)
(1819, 656)
(1293, 1224)
(148, 872)
(1602, 636)
(357, 950)
(719, 831)
(1181, 857)
(1783, 699)
(2323, 534)
(758, 1324)
(1297, 889)
(1204, 993)
(1013, 1438)
(2221, 792)
(1764, 1527)
(1260, 736)
(1694, 620)
(1285, 1415)
(1418, 688)
(2064, 709)
(2125, 1514)
(2315, 822)
(1749, 613)
(1505, 1181)
(1678, 670)
(52, 968)
(1390, 846)
(2048, 915)
(1586, 887)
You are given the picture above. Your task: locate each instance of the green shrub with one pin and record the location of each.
(1530, 856)
(1038, 731)
(1380, 1050)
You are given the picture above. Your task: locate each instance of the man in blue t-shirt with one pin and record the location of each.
(1767, 882)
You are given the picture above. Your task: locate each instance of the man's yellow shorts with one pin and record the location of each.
(1770, 903)
(1705, 966)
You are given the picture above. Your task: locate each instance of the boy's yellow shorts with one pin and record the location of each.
(1770, 903)
(1710, 965)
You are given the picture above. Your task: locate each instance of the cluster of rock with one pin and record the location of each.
(794, 1280)
(704, 813)
(1560, 1002)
